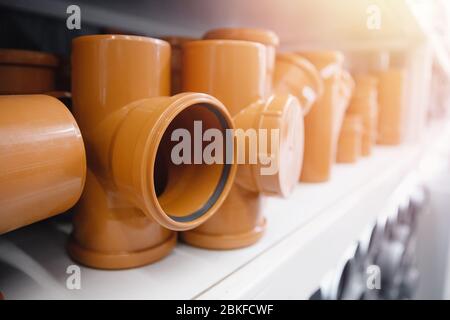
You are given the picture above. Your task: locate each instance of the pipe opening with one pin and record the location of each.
(187, 190)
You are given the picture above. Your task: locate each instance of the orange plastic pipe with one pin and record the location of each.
(323, 122)
(390, 106)
(27, 72)
(42, 160)
(135, 193)
(287, 73)
(235, 72)
(266, 37)
(296, 75)
(345, 91)
(350, 139)
(364, 103)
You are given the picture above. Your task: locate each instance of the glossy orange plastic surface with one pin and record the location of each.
(364, 103)
(288, 73)
(350, 139)
(296, 75)
(345, 90)
(208, 67)
(266, 37)
(42, 160)
(239, 223)
(234, 71)
(134, 191)
(323, 122)
(26, 72)
(390, 106)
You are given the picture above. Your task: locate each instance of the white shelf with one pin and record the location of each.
(306, 236)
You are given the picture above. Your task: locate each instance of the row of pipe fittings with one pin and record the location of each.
(374, 114)
(112, 154)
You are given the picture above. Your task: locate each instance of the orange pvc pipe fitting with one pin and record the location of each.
(266, 37)
(287, 73)
(344, 92)
(234, 71)
(350, 139)
(296, 75)
(176, 44)
(323, 122)
(134, 191)
(27, 72)
(42, 160)
(364, 103)
(390, 106)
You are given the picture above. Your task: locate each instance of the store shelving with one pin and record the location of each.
(307, 233)
(306, 236)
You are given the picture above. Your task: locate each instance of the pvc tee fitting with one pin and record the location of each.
(350, 139)
(266, 37)
(390, 106)
(135, 191)
(296, 75)
(27, 72)
(323, 122)
(287, 73)
(364, 103)
(42, 160)
(235, 72)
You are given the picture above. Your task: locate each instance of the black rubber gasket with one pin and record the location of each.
(223, 178)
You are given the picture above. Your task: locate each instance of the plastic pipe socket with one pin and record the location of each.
(235, 72)
(27, 72)
(364, 103)
(42, 160)
(323, 122)
(266, 37)
(390, 103)
(135, 192)
(287, 73)
(296, 75)
(350, 139)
